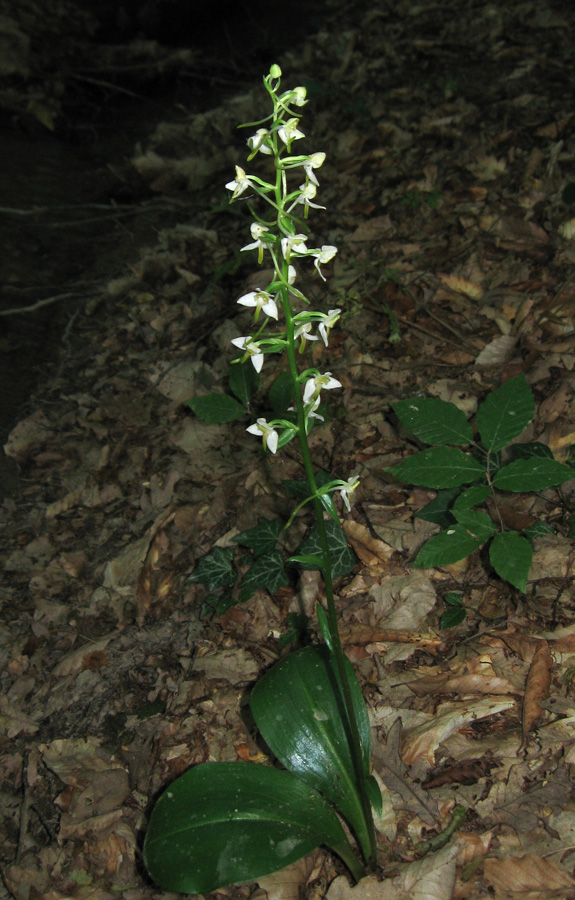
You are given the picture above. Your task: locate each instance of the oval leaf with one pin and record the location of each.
(298, 709)
(447, 547)
(243, 381)
(511, 555)
(434, 421)
(534, 474)
(222, 823)
(440, 467)
(505, 413)
(216, 408)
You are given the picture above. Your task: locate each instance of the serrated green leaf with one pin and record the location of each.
(215, 569)
(267, 572)
(505, 413)
(224, 823)
(479, 525)
(447, 547)
(477, 493)
(342, 557)
(281, 394)
(244, 381)
(299, 710)
(452, 617)
(434, 421)
(216, 408)
(533, 474)
(439, 467)
(438, 510)
(510, 555)
(529, 450)
(263, 537)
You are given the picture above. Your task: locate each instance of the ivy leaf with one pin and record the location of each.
(263, 537)
(538, 529)
(505, 413)
(216, 408)
(447, 547)
(510, 555)
(342, 557)
(534, 474)
(439, 467)
(434, 421)
(215, 569)
(243, 381)
(267, 572)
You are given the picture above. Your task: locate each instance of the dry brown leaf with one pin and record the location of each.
(289, 883)
(536, 687)
(518, 875)
(88, 656)
(462, 286)
(370, 550)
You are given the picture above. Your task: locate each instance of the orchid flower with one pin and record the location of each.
(257, 231)
(242, 183)
(293, 243)
(261, 301)
(290, 132)
(297, 96)
(303, 332)
(306, 195)
(347, 488)
(315, 161)
(257, 143)
(324, 255)
(269, 435)
(328, 321)
(315, 385)
(251, 350)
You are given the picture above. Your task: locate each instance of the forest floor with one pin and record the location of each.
(449, 189)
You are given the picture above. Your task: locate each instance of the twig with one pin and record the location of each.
(38, 305)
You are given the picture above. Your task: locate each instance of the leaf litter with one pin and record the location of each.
(449, 143)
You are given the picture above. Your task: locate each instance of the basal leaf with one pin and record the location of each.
(243, 381)
(224, 823)
(216, 408)
(510, 555)
(505, 413)
(267, 572)
(215, 568)
(281, 393)
(342, 557)
(439, 467)
(447, 547)
(434, 421)
(533, 474)
(298, 709)
(263, 537)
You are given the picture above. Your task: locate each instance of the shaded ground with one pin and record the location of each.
(448, 188)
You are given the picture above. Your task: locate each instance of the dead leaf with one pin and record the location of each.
(370, 550)
(289, 883)
(536, 687)
(525, 876)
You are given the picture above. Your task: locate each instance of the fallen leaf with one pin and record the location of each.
(516, 876)
(536, 687)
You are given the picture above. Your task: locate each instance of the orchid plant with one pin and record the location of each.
(223, 823)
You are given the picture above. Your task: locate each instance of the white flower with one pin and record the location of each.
(303, 332)
(324, 255)
(296, 96)
(290, 132)
(269, 434)
(242, 183)
(257, 143)
(257, 231)
(294, 243)
(315, 161)
(327, 323)
(251, 349)
(262, 301)
(315, 385)
(348, 488)
(307, 193)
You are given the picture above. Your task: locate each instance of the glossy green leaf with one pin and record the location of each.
(447, 547)
(215, 568)
(224, 823)
(505, 413)
(298, 709)
(439, 467)
(266, 572)
(216, 408)
(243, 381)
(533, 474)
(510, 555)
(263, 537)
(434, 421)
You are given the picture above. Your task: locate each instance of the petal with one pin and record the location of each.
(272, 441)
